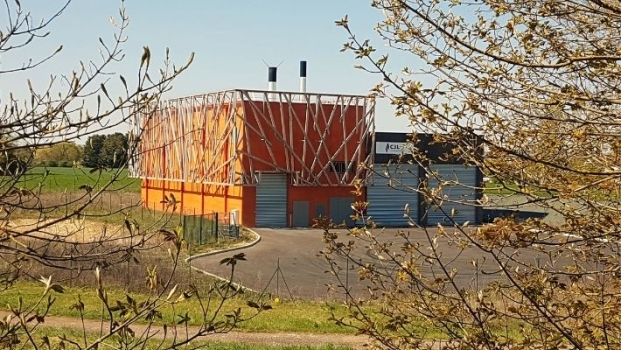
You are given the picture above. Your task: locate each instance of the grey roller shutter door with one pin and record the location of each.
(389, 193)
(460, 198)
(271, 208)
(340, 210)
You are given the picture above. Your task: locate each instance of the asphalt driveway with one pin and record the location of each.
(303, 271)
(295, 251)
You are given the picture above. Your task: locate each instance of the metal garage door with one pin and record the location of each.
(272, 200)
(464, 192)
(387, 196)
(340, 210)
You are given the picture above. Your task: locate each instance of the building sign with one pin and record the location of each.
(390, 147)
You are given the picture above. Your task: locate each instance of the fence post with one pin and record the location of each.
(347, 280)
(190, 262)
(184, 228)
(200, 228)
(216, 225)
(71, 269)
(204, 228)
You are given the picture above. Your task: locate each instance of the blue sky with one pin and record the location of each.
(230, 40)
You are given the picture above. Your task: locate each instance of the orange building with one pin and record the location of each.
(276, 159)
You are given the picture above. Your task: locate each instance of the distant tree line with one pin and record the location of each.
(64, 154)
(108, 151)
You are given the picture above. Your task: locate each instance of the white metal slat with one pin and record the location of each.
(389, 194)
(271, 208)
(460, 198)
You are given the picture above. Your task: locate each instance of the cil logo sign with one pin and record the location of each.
(389, 147)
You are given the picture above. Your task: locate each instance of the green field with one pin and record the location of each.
(70, 179)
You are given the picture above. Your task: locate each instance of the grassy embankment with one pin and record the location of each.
(57, 185)
(287, 316)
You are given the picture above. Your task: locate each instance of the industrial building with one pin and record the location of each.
(279, 159)
(389, 186)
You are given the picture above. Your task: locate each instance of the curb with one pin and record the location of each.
(189, 259)
(225, 250)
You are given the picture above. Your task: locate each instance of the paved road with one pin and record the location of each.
(304, 272)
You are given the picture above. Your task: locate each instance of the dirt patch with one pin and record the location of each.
(79, 246)
(272, 338)
(70, 230)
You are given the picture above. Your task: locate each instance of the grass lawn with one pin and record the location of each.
(58, 179)
(496, 188)
(491, 188)
(299, 316)
(286, 316)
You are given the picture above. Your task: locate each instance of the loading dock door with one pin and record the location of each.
(463, 192)
(388, 194)
(271, 208)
